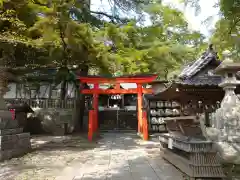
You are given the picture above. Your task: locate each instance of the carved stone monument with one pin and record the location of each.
(13, 142)
(225, 129)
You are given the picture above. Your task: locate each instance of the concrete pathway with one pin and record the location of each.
(123, 157)
(115, 156)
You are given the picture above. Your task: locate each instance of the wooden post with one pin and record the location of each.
(139, 105)
(95, 107)
(90, 124)
(117, 86)
(145, 125)
(122, 101)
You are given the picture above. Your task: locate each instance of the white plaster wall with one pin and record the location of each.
(44, 91)
(18, 91)
(12, 91)
(71, 91)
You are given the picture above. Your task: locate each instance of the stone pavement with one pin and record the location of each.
(116, 156)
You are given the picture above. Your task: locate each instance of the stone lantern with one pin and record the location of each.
(225, 128)
(13, 142)
(5, 114)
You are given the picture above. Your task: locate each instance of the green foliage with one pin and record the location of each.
(225, 41)
(16, 46)
(226, 33)
(69, 33)
(159, 48)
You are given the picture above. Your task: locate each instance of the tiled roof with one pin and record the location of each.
(198, 65)
(213, 80)
(191, 76)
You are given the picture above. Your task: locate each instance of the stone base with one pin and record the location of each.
(8, 124)
(13, 143)
(10, 131)
(194, 157)
(56, 121)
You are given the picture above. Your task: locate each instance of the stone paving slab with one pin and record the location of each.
(114, 157)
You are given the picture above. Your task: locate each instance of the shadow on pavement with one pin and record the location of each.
(111, 156)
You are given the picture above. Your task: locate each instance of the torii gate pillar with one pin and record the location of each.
(95, 107)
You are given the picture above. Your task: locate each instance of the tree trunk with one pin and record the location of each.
(63, 90)
(64, 73)
(3, 84)
(81, 98)
(166, 74)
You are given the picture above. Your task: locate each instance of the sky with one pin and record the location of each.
(195, 22)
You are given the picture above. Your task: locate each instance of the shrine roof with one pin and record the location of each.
(194, 67)
(212, 80)
(180, 92)
(191, 74)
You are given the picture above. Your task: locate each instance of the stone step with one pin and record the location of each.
(11, 153)
(21, 143)
(10, 131)
(14, 141)
(14, 136)
(8, 124)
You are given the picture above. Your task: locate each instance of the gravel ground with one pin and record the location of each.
(114, 156)
(49, 158)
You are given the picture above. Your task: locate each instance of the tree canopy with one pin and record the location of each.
(67, 32)
(226, 32)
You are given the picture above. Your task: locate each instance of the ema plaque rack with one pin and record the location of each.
(158, 111)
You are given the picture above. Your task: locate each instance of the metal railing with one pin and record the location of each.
(45, 103)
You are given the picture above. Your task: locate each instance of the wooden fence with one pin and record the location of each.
(45, 103)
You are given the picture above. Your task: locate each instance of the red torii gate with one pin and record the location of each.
(139, 80)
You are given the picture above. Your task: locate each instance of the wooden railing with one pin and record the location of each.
(45, 103)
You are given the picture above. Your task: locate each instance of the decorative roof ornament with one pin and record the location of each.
(225, 129)
(210, 47)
